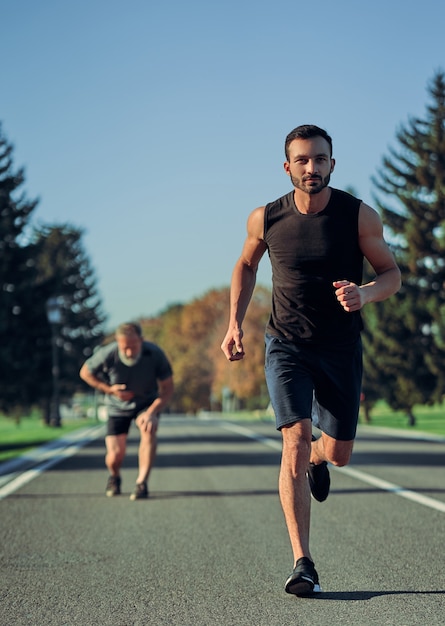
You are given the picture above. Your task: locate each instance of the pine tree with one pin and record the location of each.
(412, 323)
(19, 320)
(64, 272)
(39, 264)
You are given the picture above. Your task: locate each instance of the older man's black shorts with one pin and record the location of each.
(315, 382)
(120, 424)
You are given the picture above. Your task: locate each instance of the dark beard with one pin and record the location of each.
(314, 188)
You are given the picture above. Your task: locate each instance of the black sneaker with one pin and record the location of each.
(140, 492)
(113, 486)
(304, 579)
(319, 480)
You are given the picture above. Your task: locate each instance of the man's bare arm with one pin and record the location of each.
(117, 390)
(387, 281)
(243, 283)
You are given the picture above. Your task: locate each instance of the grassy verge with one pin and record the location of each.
(17, 438)
(429, 419)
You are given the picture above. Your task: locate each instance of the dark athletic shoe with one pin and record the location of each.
(319, 481)
(113, 486)
(140, 492)
(304, 579)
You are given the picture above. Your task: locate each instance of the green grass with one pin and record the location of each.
(428, 419)
(17, 438)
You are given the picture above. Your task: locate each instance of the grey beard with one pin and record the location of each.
(129, 361)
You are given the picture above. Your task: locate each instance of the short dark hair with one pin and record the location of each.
(129, 328)
(306, 131)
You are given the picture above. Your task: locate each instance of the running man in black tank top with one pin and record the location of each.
(316, 238)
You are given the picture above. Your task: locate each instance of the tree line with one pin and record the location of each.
(40, 264)
(404, 336)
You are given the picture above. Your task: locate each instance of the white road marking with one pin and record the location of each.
(384, 485)
(46, 457)
(57, 455)
(393, 488)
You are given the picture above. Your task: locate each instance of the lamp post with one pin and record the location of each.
(54, 318)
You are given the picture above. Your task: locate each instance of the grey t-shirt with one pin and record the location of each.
(141, 378)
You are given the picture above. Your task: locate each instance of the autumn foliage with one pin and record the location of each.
(191, 335)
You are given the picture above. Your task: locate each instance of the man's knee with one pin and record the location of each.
(116, 445)
(337, 453)
(115, 454)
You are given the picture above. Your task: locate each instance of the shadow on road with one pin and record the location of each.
(366, 595)
(154, 495)
(413, 459)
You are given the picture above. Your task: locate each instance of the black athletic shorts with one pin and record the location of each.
(120, 424)
(315, 382)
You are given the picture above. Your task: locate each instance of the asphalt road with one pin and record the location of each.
(210, 546)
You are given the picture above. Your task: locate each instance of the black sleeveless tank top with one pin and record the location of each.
(308, 253)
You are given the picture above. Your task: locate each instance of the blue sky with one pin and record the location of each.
(158, 127)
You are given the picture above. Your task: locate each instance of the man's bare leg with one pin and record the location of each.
(116, 446)
(147, 455)
(293, 485)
